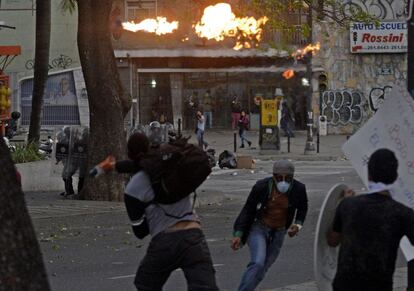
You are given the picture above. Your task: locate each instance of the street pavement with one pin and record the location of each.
(88, 245)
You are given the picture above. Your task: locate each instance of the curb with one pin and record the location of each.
(48, 204)
(306, 158)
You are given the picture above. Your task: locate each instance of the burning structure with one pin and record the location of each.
(210, 56)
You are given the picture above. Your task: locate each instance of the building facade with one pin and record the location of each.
(167, 73)
(361, 62)
(164, 72)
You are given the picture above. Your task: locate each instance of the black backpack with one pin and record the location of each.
(176, 170)
(227, 160)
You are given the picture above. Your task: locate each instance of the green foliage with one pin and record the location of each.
(26, 154)
(289, 16)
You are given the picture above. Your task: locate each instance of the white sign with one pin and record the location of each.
(323, 125)
(391, 127)
(387, 37)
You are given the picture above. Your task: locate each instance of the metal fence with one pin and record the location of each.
(53, 115)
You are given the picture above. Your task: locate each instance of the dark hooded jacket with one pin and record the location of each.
(257, 201)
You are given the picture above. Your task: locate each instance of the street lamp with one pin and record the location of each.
(310, 145)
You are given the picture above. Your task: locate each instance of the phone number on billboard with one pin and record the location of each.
(386, 47)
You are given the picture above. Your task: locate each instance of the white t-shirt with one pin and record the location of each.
(140, 188)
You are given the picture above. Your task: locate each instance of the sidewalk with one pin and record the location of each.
(37, 175)
(222, 139)
(330, 146)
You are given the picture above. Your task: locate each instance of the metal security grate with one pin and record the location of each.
(54, 115)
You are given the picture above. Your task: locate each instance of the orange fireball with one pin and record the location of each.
(310, 48)
(288, 74)
(158, 26)
(219, 22)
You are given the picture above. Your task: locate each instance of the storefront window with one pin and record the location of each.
(212, 92)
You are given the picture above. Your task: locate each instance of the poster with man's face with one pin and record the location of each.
(60, 104)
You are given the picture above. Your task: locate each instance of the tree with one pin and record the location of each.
(41, 66)
(278, 11)
(108, 104)
(21, 265)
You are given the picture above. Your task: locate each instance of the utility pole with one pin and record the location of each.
(310, 145)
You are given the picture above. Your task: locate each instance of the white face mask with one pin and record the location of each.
(283, 186)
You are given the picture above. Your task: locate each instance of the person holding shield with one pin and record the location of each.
(369, 228)
(275, 205)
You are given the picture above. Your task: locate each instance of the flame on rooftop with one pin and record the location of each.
(159, 26)
(219, 22)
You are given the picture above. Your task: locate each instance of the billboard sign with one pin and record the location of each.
(386, 37)
(60, 102)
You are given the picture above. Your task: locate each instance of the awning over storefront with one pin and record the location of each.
(199, 53)
(272, 69)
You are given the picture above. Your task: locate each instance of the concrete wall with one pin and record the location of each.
(41, 176)
(355, 78)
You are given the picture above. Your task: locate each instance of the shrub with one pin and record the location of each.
(26, 153)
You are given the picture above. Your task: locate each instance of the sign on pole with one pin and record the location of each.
(391, 127)
(269, 112)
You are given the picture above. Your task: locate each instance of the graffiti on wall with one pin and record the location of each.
(377, 97)
(342, 107)
(61, 62)
(381, 9)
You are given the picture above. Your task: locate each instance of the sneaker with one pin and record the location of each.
(242, 146)
(250, 143)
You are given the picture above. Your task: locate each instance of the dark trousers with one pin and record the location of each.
(69, 185)
(182, 249)
(354, 284)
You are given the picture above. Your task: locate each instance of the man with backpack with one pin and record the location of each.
(177, 239)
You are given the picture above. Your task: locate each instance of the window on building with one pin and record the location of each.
(140, 9)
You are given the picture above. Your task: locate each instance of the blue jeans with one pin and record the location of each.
(242, 134)
(264, 245)
(200, 138)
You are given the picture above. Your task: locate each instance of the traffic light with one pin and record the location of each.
(323, 82)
